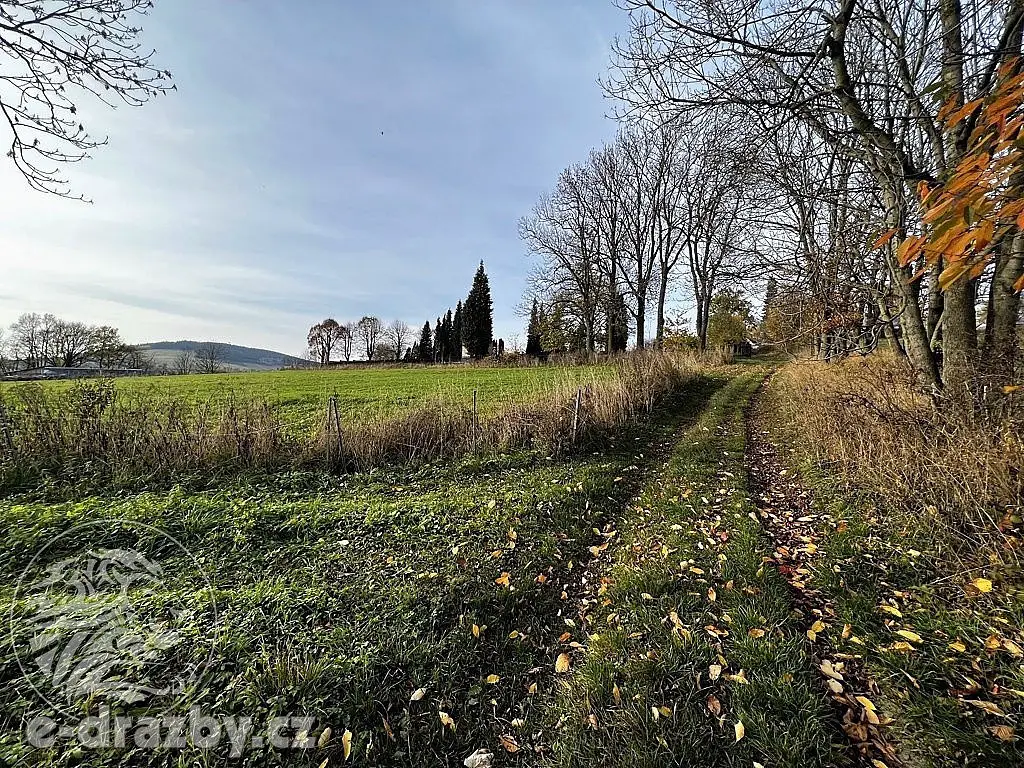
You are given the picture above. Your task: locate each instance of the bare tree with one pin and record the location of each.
(398, 335)
(369, 330)
(868, 80)
(210, 357)
(185, 362)
(346, 340)
(323, 339)
(54, 51)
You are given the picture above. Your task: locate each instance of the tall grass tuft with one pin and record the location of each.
(95, 430)
(866, 423)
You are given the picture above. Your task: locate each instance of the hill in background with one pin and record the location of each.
(235, 358)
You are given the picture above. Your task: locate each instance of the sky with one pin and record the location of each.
(322, 158)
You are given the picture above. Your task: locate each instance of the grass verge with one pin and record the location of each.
(936, 623)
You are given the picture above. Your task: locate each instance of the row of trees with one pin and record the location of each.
(35, 341)
(864, 160)
(657, 206)
(470, 326)
(884, 195)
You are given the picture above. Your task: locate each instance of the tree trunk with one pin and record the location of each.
(662, 292)
(959, 341)
(1000, 349)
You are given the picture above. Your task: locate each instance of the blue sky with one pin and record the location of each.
(262, 196)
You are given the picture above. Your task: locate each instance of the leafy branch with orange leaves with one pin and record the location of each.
(982, 201)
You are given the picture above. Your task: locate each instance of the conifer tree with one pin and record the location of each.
(438, 342)
(478, 316)
(449, 336)
(533, 347)
(457, 333)
(426, 344)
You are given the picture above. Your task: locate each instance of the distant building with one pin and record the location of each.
(58, 372)
(740, 348)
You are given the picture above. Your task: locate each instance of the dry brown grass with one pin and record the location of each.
(96, 430)
(864, 422)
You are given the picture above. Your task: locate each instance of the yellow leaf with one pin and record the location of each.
(616, 693)
(665, 711)
(446, 720)
(476, 631)
(740, 677)
(835, 686)
(1013, 648)
(957, 646)
(988, 706)
(816, 627)
(492, 679)
(865, 702)
(324, 737)
(714, 671)
(982, 585)
(889, 609)
(346, 743)
(325, 762)
(911, 636)
(418, 694)
(562, 663)
(712, 595)
(532, 689)
(740, 730)
(756, 632)
(502, 580)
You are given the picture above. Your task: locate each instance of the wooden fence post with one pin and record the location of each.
(576, 414)
(333, 422)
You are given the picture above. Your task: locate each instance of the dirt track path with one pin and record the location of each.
(793, 524)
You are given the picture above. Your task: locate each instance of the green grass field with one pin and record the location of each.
(301, 395)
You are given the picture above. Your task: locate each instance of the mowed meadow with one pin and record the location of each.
(300, 397)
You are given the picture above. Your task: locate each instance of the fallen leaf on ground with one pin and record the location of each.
(982, 585)
(988, 706)
(739, 729)
(562, 663)
(509, 743)
(1002, 732)
(346, 743)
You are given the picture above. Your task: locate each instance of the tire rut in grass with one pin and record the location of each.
(784, 507)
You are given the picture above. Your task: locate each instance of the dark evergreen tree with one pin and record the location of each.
(478, 316)
(457, 333)
(438, 342)
(533, 347)
(501, 347)
(449, 336)
(426, 345)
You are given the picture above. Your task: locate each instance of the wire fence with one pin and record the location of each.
(94, 427)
